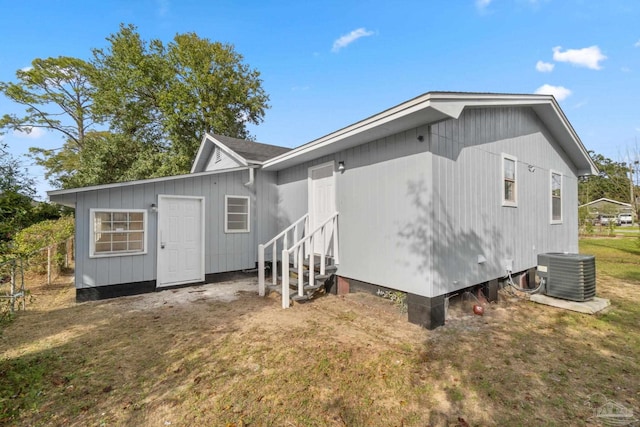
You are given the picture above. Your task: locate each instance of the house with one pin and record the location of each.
(607, 208)
(140, 236)
(435, 195)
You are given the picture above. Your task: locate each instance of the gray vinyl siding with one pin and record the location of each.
(415, 216)
(292, 193)
(267, 208)
(384, 186)
(223, 251)
(225, 162)
(468, 217)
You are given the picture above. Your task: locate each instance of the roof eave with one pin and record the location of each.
(432, 107)
(204, 153)
(411, 113)
(200, 156)
(56, 193)
(604, 199)
(231, 153)
(578, 152)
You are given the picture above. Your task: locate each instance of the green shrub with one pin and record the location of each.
(589, 227)
(29, 243)
(42, 235)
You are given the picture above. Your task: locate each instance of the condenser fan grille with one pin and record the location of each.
(568, 276)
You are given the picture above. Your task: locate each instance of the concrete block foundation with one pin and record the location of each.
(426, 312)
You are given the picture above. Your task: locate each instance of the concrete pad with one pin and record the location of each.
(226, 291)
(589, 307)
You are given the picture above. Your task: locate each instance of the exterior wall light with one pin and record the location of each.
(341, 167)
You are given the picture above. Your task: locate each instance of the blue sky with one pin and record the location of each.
(328, 64)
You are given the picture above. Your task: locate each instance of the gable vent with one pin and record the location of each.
(217, 155)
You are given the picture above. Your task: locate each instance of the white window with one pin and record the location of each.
(236, 214)
(115, 232)
(556, 197)
(509, 180)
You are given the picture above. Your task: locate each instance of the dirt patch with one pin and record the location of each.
(209, 293)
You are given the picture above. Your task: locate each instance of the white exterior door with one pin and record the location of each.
(180, 240)
(322, 200)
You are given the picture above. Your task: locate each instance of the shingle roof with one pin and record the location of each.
(253, 151)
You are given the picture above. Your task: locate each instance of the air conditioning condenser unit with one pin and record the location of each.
(568, 276)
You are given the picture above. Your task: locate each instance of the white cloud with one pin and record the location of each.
(347, 39)
(559, 92)
(625, 69)
(27, 68)
(482, 4)
(637, 44)
(589, 57)
(163, 7)
(544, 67)
(29, 132)
(581, 104)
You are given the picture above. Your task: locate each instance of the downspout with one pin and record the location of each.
(251, 178)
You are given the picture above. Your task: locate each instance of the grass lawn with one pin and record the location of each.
(337, 361)
(615, 257)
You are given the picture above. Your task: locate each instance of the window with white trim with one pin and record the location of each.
(509, 180)
(236, 214)
(116, 232)
(556, 197)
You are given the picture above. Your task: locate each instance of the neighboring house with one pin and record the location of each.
(435, 195)
(607, 207)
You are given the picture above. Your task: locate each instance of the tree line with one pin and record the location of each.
(136, 109)
(617, 180)
(17, 207)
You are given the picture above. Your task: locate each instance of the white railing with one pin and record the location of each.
(306, 249)
(293, 231)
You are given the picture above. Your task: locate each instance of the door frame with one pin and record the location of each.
(311, 194)
(201, 199)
